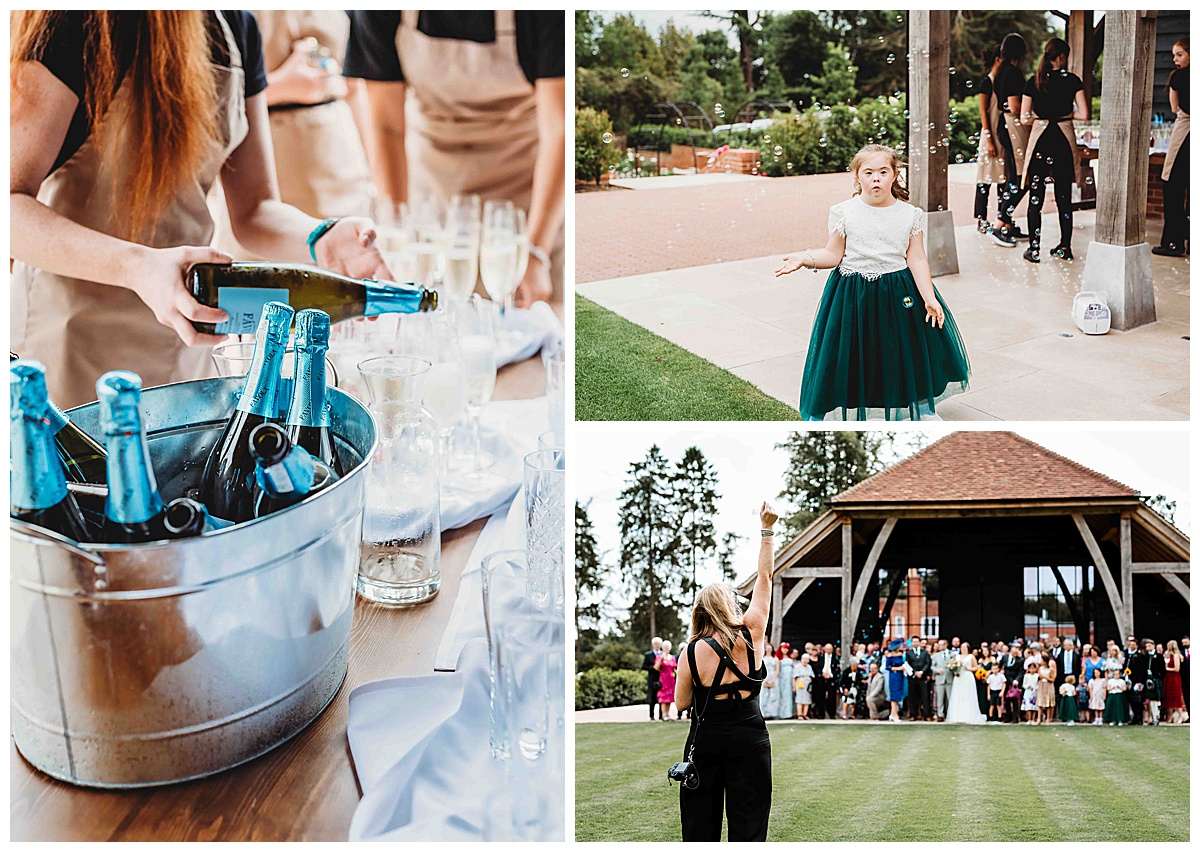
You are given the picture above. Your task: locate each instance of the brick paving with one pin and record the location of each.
(623, 232)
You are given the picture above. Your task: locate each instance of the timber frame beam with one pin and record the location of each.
(1119, 604)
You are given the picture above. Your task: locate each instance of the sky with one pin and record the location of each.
(749, 470)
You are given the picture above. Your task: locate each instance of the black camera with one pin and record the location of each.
(685, 773)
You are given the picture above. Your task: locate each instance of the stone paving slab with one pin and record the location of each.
(1029, 360)
(680, 181)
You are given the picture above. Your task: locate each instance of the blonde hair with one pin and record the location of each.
(899, 190)
(717, 614)
(1172, 647)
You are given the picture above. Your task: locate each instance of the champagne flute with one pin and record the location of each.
(445, 389)
(422, 229)
(477, 342)
(498, 251)
(459, 257)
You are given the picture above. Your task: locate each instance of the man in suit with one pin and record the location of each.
(1069, 663)
(921, 664)
(828, 671)
(653, 684)
(1156, 673)
(941, 680)
(1013, 666)
(877, 703)
(1138, 664)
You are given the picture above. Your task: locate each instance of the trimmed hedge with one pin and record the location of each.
(597, 688)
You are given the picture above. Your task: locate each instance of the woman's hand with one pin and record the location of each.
(991, 148)
(535, 286)
(934, 314)
(768, 516)
(790, 264)
(298, 81)
(348, 248)
(158, 277)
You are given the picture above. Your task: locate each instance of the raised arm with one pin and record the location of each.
(760, 599)
(822, 258)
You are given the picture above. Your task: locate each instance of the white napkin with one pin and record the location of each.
(509, 432)
(532, 328)
(420, 747)
(505, 530)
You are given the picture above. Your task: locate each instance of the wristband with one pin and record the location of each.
(768, 533)
(540, 254)
(813, 259)
(317, 233)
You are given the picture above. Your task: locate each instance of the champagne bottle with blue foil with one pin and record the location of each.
(286, 473)
(242, 288)
(185, 517)
(81, 455)
(229, 489)
(38, 486)
(134, 510)
(308, 415)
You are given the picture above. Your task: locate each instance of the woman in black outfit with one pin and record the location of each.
(1053, 98)
(1012, 135)
(1177, 172)
(732, 751)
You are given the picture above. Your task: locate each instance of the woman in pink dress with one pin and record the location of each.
(665, 665)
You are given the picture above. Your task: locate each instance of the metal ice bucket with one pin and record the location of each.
(137, 665)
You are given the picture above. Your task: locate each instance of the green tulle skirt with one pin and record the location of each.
(873, 356)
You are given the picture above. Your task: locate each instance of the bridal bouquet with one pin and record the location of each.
(953, 666)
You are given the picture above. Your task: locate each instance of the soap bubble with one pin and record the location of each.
(825, 142)
(778, 150)
(952, 70)
(891, 57)
(970, 84)
(790, 166)
(728, 168)
(766, 137)
(608, 138)
(624, 72)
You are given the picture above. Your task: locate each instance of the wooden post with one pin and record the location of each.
(1082, 61)
(777, 611)
(929, 107)
(1118, 261)
(868, 570)
(847, 582)
(1127, 570)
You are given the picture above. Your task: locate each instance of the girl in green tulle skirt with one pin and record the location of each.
(884, 344)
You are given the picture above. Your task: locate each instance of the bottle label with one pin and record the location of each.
(36, 481)
(244, 306)
(281, 482)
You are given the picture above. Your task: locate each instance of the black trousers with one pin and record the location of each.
(733, 758)
(1136, 706)
(982, 193)
(1176, 217)
(652, 689)
(918, 698)
(818, 690)
(1011, 191)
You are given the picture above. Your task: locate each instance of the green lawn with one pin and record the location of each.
(624, 372)
(857, 782)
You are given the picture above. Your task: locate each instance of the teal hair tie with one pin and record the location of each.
(317, 233)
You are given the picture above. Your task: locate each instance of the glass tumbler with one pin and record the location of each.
(401, 540)
(503, 578)
(545, 537)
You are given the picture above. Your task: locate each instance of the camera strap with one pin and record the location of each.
(696, 680)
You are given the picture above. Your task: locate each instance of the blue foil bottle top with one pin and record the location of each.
(392, 298)
(291, 476)
(37, 480)
(133, 496)
(258, 394)
(308, 406)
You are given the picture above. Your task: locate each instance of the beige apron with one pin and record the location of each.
(80, 329)
(471, 119)
(1068, 128)
(990, 169)
(1183, 125)
(1019, 134)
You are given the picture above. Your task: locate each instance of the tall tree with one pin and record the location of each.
(674, 44)
(729, 543)
(1162, 505)
(747, 29)
(793, 48)
(649, 544)
(586, 24)
(824, 464)
(589, 578)
(625, 43)
(695, 485)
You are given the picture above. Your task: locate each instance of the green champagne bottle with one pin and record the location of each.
(229, 489)
(134, 510)
(38, 488)
(241, 289)
(308, 415)
(81, 455)
(286, 473)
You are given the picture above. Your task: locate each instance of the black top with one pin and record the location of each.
(1058, 101)
(1179, 81)
(985, 85)
(371, 52)
(1009, 83)
(63, 57)
(751, 683)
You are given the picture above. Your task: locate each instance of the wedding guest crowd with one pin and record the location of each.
(1137, 683)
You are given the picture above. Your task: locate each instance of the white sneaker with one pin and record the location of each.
(931, 417)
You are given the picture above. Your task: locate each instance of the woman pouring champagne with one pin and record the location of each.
(120, 123)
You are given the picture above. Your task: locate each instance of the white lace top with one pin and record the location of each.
(876, 237)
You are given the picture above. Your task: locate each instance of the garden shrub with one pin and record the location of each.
(597, 688)
(593, 154)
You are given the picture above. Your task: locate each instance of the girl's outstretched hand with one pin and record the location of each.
(767, 515)
(790, 264)
(934, 314)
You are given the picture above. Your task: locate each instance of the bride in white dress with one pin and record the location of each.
(964, 701)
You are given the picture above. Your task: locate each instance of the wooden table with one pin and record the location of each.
(305, 789)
